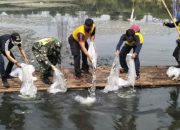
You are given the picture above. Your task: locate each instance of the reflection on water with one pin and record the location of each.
(149, 109)
(174, 109)
(10, 117)
(93, 7)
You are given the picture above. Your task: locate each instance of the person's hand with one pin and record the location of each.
(59, 66)
(164, 23)
(134, 55)
(17, 64)
(117, 53)
(92, 42)
(26, 61)
(90, 58)
(53, 67)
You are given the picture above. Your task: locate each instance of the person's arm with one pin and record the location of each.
(43, 56)
(5, 48)
(121, 40)
(171, 25)
(59, 56)
(82, 45)
(23, 54)
(10, 58)
(83, 48)
(92, 38)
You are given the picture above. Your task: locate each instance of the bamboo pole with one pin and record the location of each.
(170, 16)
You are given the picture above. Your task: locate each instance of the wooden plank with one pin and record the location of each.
(151, 76)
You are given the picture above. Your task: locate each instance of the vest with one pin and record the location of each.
(80, 29)
(141, 39)
(179, 29)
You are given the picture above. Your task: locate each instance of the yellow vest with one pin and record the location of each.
(179, 30)
(80, 29)
(141, 39)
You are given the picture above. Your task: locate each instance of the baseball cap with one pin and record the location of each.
(89, 22)
(135, 27)
(16, 38)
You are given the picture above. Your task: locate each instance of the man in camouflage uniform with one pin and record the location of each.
(48, 53)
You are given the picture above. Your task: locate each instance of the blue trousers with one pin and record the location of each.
(122, 58)
(9, 67)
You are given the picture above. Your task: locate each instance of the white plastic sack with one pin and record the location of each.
(18, 74)
(173, 72)
(59, 84)
(28, 89)
(114, 82)
(132, 70)
(93, 54)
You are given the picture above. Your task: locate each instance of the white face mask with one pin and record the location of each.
(15, 43)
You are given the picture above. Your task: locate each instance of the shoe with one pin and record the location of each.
(78, 77)
(85, 71)
(9, 77)
(137, 77)
(122, 70)
(5, 83)
(46, 80)
(178, 66)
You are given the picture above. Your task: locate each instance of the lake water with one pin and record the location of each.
(147, 109)
(150, 109)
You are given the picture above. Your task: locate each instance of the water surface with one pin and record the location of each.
(148, 109)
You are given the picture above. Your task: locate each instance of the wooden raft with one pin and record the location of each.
(151, 76)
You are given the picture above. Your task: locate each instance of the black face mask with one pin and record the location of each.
(130, 39)
(87, 29)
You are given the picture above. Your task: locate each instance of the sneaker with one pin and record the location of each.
(5, 83)
(86, 72)
(122, 70)
(137, 77)
(9, 77)
(78, 77)
(46, 80)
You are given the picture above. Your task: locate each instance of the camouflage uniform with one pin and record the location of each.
(47, 52)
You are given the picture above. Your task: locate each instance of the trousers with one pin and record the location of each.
(122, 58)
(76, 52)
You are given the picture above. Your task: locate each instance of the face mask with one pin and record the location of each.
(15, 43)
(130, 39)
(87, 29)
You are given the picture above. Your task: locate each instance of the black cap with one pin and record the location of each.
(89, 22)
(130, 33)
(16, 37)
